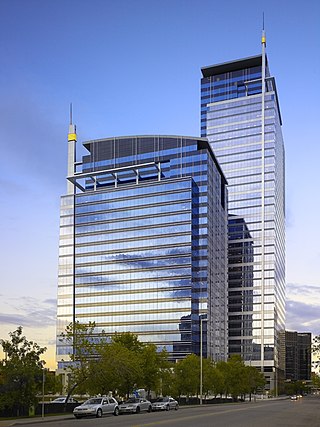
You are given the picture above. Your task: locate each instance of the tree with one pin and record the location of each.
(20, 372)
(217, 382)
(187, 375)
(315, 380)
(118, 369)
(167, 381)
(208, 376)
(223, 385)
(85, 348)
(254, 379)
(128, 340)
(121, 364)
(52, 383)
(238, 379)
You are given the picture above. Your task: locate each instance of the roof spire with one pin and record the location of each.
(263, 38)
(70, 113)
(72, 135)
(72, 140)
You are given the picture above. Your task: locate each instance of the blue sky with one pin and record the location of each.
(133, 67)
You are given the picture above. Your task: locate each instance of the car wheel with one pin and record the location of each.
(99, 413)
(167, 408)
(77, 417)
(150, 408)
(116, 411)
(138, 410)
(177, 407)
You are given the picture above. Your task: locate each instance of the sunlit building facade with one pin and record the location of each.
(143, 243)
(241, 118)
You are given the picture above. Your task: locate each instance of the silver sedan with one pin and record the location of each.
(135, 405)
(165, 404)
(97, 406)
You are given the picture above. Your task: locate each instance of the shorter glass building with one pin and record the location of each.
(298, 355)
(143, 244)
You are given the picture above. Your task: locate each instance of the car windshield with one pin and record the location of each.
(162, 399)
(96, 401)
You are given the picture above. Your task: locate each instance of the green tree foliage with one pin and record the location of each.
(315, 380)
(217, 382)
(128, 340)
(209, 377)
(187, 375)
(223, 372)
(120, 365)
(151, 364)
(253, 379)
(236, 379)
(118, 369)
(167, 383)
(123, 363)
(53, 383)
(81, 339)
(20, 372)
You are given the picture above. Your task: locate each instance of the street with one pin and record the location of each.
(304, 412)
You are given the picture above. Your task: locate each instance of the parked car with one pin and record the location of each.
(135, 405)
(97, 406)
(165, 404)
(62, 399)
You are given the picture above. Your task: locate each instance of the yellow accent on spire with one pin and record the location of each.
(263, 39)
(72, 136)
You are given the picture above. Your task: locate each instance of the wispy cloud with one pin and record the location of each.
(297, 290)
(303, 308)
(29, 312)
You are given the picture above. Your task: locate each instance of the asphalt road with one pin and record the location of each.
(304, 412)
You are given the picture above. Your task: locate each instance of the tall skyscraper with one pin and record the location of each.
(143, 243)
(241, 118)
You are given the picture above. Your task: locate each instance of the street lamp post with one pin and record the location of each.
(43, 381)
(201, 364)
(200, 360)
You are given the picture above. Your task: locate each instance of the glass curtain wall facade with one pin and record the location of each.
(143, 245)
(247, 141)
(298, 356)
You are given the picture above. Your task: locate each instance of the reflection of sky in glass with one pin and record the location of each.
(164, 252)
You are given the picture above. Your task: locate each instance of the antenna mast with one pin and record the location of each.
(72, 139)
(263, 91)
(70, 113)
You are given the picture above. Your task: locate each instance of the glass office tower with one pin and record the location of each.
(143, 243)
(241, 118)
(298, 355)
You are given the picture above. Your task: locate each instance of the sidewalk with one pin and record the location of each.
(34, 420)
